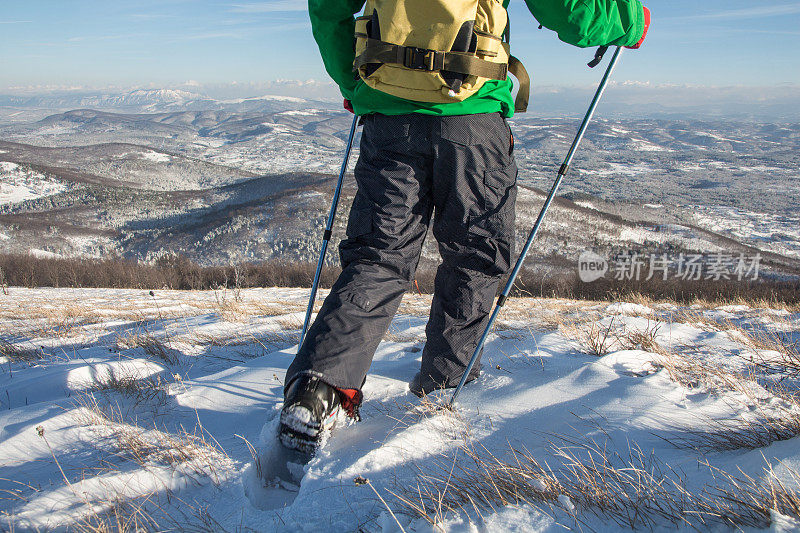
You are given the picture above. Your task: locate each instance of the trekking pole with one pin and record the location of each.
(326, 237)
(501, 300)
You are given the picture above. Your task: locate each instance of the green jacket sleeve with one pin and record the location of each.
(591, 22)
(333, 24)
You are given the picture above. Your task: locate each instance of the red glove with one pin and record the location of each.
(646, 27)
(347, 105)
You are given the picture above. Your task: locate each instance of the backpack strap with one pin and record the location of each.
(516, 68)
(382, 52)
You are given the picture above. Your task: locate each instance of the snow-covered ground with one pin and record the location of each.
(142, 407)
(18, 184)
(774, 232)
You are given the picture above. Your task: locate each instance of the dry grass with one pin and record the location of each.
(191, 453)
(780, 340)
(18, 354)
(593, 337)
(230, 306)
(700, 374)
(742, 433)
(260, 308)
(396, 333)
(642, 339)
(773, 409)
(121, 515)
(740, 500)
(66, 320)
(150, 390)
(150, 344)
(211, 339)
(635, 491)
(292, 322)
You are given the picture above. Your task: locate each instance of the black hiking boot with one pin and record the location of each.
(309, 413)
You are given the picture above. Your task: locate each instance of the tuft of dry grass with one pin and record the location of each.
(634, 491)
(193, 452)
(701, 374)
(151, 390)
(16, 353)
(642, 339)
(121, 515)
(781, 341)
(742, 433)
(152, 346)
(593, 337)
(774, 408)
(741, 500)
(65, 320)
(210, 339)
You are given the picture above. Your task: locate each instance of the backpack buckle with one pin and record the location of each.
(418, 58)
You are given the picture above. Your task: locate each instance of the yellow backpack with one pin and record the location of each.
(438, 51)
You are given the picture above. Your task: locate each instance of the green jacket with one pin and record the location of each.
(578, 22)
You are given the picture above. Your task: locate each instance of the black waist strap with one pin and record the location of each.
(430, 60)
(459, 62)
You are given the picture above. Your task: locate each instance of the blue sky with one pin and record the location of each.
(166, 42)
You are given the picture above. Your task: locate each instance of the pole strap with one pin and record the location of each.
(598, 56)
(519, 71)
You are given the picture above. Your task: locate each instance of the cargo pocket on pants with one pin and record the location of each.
(359, 222)
(499, 196)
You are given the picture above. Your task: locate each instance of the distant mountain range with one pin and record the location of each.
(154, 100)
(622, 100)
(251, 179)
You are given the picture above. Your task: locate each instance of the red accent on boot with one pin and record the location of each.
(351, 400)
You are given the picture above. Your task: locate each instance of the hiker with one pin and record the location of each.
(429, 80)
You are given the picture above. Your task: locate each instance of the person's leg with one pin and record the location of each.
(474, 188)
(387, 226)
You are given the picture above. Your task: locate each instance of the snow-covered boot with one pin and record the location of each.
(309, 414)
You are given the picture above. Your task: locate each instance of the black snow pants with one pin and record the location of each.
(458, 171)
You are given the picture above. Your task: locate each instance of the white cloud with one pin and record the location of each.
(205, 36)
(270, 7)
(751, 12)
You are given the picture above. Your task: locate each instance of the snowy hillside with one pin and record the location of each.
(18, 184)
(217, 183)
(120, 406)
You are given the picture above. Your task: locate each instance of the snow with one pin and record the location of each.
(156, 157)
(645, 146)
(18, 184)
(778, 233)
(180, 444)
(301, 113)
(628, 309)
(266, 97)
(43, 254)
(621, 169)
